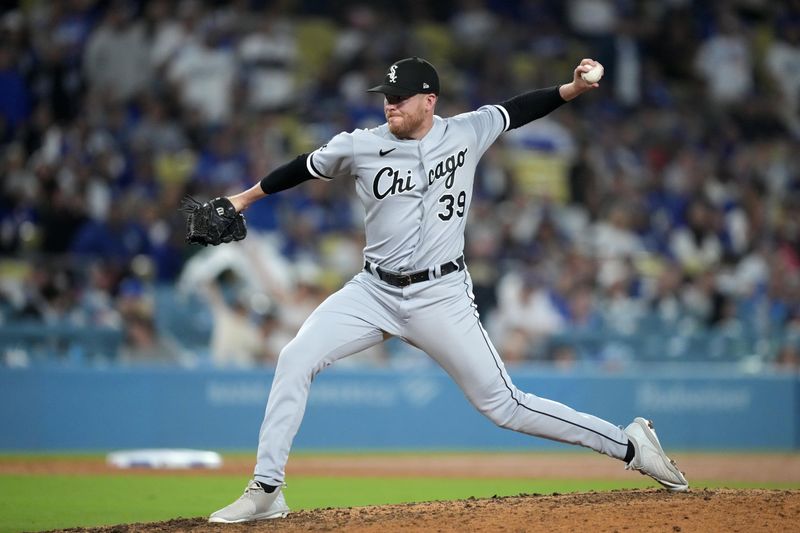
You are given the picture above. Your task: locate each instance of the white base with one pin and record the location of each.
(164, 458)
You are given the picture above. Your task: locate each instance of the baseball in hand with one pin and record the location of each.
(594, 75)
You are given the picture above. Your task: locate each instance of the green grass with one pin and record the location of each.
(38, 502)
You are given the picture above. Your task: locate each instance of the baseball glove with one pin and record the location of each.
(212, 222)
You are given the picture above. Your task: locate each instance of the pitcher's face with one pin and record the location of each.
(406, 115)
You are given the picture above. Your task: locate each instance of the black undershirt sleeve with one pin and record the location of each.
(286, 176)
(529, 106)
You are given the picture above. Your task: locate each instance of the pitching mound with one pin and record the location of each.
(625, 510)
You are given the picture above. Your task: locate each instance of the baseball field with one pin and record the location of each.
(481, 491)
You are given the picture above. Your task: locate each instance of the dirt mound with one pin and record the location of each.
(623, 510)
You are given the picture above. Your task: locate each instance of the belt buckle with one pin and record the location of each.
(404, 280)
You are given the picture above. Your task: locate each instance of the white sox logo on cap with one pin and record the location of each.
(409, 76)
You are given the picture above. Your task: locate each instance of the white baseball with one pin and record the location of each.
(594, 75)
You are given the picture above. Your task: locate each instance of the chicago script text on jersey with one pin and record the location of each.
(447, 169)
(388, 182)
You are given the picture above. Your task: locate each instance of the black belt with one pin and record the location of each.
(404, 280)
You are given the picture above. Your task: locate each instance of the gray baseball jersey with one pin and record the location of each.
(417, 195)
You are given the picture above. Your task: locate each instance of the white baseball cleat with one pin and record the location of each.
(650, 458)
(254, 504)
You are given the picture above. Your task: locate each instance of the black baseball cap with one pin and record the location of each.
(408, 77)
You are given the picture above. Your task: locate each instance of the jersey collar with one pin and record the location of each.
(436, 132)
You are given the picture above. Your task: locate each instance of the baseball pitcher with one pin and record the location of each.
(414, 175)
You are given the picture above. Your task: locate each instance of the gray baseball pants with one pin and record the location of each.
(440, 318)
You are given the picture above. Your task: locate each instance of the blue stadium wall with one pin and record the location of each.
(71, 409)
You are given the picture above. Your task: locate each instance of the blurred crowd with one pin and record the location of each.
(668, 197)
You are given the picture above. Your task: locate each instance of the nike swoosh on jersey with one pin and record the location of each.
(383, 153)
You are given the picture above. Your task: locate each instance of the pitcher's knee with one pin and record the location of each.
(501, 415)
(295, 364)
